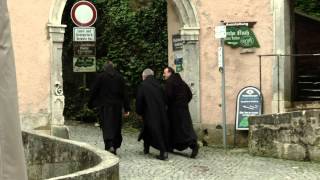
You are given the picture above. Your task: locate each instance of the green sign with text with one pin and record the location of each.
(84, 64)
(241, 36)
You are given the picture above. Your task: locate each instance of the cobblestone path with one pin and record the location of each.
(211, 163)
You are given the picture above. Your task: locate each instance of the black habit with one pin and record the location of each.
(108, 94)
(182, 134)
(151, 106)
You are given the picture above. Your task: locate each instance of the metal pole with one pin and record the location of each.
(260, 74)
(278, 68)
(84, 92)
(223, 94)
(260, 82)
(84, 80)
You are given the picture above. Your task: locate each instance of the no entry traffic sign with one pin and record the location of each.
(83, 14)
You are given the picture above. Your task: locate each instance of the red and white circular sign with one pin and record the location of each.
(83, 14)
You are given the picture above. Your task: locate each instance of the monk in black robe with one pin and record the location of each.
(182, 134)
(150, 104)
(109, 95)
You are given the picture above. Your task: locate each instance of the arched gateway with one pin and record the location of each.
(189, 30)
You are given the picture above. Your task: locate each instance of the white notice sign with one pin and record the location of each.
(84, 34)
(220, 32)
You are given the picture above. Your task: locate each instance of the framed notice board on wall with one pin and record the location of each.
(249, 103)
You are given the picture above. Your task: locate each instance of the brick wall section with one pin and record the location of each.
(294, 135)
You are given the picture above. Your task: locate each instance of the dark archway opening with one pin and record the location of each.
(307, 38)
(130, 33)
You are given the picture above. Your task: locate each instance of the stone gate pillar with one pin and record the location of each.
(191, 65)
(282, 81)
(56, 35)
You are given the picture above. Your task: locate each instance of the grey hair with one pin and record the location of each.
(147, 72)
(107, 65)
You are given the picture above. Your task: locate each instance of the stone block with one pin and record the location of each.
(296, 114)
(314, 153)
(34, 172)
(60, 131)
(317, 131)
(287, 136)
(295, 122)
(292, 151)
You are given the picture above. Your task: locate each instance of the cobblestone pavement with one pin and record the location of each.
(211, 163)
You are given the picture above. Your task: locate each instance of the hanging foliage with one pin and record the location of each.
(130, 33)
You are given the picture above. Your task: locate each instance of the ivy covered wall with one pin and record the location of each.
(130, 33)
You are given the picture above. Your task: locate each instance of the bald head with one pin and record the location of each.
(146, 73)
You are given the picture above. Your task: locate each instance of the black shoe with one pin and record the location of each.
(146, 149)
(163, 156)
(112, 150)
(195, 151)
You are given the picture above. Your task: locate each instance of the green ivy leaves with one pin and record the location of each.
(310, 7)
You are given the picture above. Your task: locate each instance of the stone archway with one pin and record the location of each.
(187, 14)
(56, 32)
(189, 31)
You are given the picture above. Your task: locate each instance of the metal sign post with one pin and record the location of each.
(220, 33)
(84, 15)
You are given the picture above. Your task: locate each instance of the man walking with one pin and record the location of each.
(108, 94)
(182, 134)
(151, 106)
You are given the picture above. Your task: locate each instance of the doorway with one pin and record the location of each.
(307, 66)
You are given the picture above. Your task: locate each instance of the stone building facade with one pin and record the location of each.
(38, 36)
(195, 21)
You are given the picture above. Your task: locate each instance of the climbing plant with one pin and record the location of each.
(134, 39)
(130, 33)
(311, 7)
